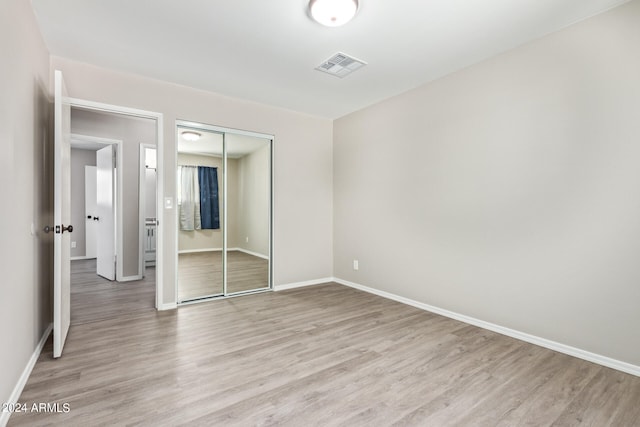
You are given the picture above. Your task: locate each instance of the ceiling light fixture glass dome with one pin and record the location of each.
(189, 135)
(333, 13)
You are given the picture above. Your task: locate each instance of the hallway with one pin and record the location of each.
(94, 298)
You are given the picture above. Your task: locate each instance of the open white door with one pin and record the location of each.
(106, 234)
(91, 211)
(61, 216)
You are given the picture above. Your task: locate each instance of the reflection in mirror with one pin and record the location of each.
(224, 212)
(200, 205)
(248, 212)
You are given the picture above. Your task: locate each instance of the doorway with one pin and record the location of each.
(96, 203)
(108, 277)
(62, 227)
(224, 199)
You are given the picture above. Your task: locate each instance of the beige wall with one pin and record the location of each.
(26, 175)
(302, 165)
(233, 188)
(253, 189)
(132, 132)
(508, 191)
(79, 159)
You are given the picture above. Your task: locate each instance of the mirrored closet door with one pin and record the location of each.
(248, 212)
(224, 212)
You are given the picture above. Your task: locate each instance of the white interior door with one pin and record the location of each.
(90, 211)
(106, 234)
(61, 216)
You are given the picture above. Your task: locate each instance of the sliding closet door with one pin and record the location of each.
(224, 197)
(248, 212)
(200, 205)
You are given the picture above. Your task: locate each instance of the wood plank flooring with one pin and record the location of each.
(200, 274)
(325, 355)
(94, 298)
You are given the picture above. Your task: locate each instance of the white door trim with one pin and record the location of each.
(158, 117)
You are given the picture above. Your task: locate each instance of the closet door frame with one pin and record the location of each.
(224, 131)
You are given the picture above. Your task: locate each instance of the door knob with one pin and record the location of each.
(95, 218)
(47, 229)
(68, 228)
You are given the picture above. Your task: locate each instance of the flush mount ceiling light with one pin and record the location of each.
(190, 135)
(333, 13)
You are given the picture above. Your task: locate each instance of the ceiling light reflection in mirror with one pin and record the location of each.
(210, 144)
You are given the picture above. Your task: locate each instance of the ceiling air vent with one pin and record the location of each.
(340, 65)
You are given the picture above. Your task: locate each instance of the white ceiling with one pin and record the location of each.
(266, 51)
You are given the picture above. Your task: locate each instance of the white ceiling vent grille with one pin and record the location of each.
(340, 65)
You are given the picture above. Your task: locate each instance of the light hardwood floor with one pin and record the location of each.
(200, 274)
(323, 355)
(94, 298)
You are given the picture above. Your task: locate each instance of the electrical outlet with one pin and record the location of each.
(356, 265)
(73, 245)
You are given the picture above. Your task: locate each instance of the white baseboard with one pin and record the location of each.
(170, 306)
(130, 278)
(195, 251)
(302, 284)
(22, 381)
(77, 258)
(543, 342)
(256, 254)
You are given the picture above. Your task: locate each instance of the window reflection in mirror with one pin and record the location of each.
(199, 206)
(210, 249)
